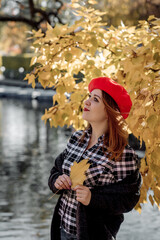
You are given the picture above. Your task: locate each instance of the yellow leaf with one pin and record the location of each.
(76, 97)
(94, 42)
(68, 56)
(60, 89)
(96, 72)
(45, 75)
(152, 120)
(33, 60)
(138, 208)
(151, 17)
(33, 84)
(138, 60)
(38, 33)
(76, 51)
(144, 167)
(75, 5)
(31, 79)
(155, 155)
(155, 169)
(151, 199)
(97, 12)
(157, 194)
(92, 2)
(92, 50)
(90, 63)
(61, 99)
(77, 173)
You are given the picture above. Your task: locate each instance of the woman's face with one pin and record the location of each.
(94, 108)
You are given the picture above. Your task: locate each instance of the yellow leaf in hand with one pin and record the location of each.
(77, 173)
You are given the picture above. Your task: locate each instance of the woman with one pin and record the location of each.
(94, 210)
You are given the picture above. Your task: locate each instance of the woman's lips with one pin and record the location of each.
(85, 109)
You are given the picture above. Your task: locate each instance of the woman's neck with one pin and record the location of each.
(98, 131)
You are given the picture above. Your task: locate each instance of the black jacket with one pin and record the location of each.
(102, 218)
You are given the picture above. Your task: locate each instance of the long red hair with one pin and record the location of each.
(116, 137)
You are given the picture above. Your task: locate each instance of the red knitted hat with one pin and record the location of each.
(115, 90)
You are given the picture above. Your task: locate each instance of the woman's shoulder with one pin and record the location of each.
(129, 155)
(129, 150)
(127, 165)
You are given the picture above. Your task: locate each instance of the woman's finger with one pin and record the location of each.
(80, 192)
(62, 182)
(66, 181)
(58, 186)
(79, 187)
(83, 194)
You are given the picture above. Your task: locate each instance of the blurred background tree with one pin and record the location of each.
(17, 19)
(13, 40)
(23, 15)
(34, 13)
(128, 11)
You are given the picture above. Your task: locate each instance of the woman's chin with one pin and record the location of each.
(84, 117)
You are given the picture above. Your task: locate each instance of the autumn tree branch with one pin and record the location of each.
(19, 19)
(31, 6)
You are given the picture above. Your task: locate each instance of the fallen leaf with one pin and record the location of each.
(77, 173)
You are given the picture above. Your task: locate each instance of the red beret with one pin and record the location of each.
(116, 91)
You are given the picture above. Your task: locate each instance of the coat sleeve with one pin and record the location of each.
(56, 171)
(117, 198)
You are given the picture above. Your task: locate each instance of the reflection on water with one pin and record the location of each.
(27, 151)
(28, 148)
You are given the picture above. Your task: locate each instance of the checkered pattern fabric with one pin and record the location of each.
(102, 171)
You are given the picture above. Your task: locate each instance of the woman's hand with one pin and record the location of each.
(63, 182)
(83, 194)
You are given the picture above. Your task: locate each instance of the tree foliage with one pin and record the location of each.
(37, 12)
(68, 57)
(128, 11)
(13, 40)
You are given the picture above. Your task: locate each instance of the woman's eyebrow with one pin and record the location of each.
(97, 96)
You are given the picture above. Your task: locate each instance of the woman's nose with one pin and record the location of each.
(87, 102)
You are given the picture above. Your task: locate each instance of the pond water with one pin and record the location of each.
(27, 151)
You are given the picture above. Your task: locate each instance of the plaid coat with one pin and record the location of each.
(102, 218)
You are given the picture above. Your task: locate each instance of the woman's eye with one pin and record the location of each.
(95, 99)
